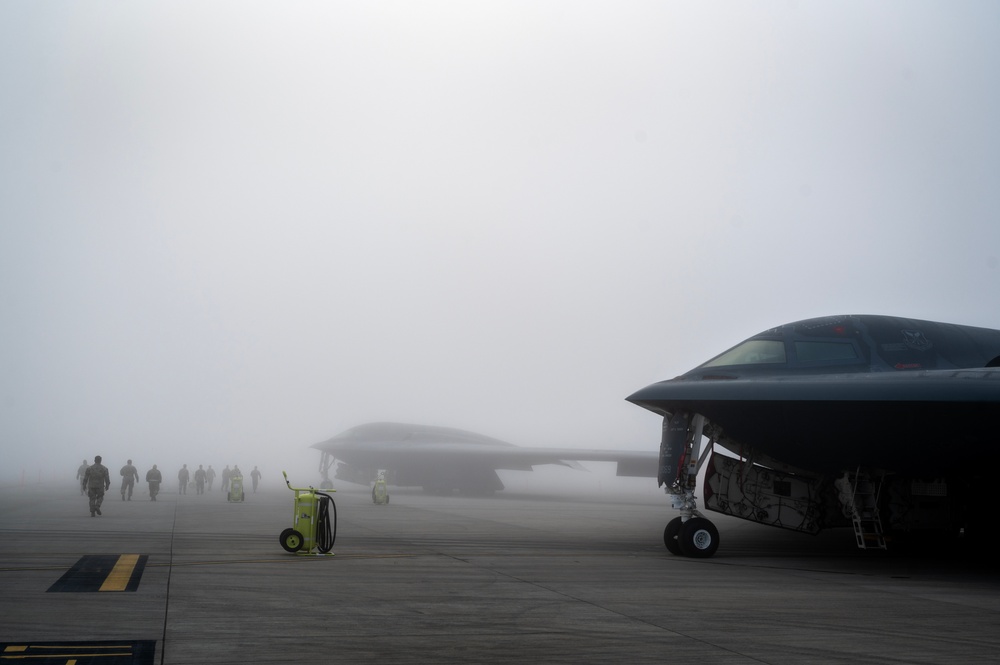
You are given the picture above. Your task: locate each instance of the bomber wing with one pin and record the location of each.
(902, 421)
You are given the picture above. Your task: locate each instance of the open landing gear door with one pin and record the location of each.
(756, 493)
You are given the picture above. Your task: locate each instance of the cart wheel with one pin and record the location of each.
(291, 540)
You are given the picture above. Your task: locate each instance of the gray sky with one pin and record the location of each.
(229, 230)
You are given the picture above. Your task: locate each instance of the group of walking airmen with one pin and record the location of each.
(95, 480)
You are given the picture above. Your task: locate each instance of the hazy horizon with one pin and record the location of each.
(232, 230)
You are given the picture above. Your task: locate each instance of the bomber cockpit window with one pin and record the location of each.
(751, 352)
(830, 352)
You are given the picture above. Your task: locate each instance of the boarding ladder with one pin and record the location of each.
(864, 511)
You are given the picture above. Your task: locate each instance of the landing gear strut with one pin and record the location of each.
(691, 534)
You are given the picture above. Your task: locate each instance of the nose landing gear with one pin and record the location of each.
(691, 534)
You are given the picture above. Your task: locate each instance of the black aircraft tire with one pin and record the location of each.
(291, 540)
(698, 538)
(670, 536)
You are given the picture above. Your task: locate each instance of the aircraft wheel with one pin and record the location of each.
(291, 540)
(670, 536)
(698, 538)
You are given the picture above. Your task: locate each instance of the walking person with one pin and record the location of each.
(255, 476)
(82, 469)
(182, 480)
(130, 476)
(154, 478)
(210, 477)
(199, 480)
(96, 479)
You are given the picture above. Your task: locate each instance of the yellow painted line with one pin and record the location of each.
(110, 654)
(82, 647)
(103, 651)
(118, 578)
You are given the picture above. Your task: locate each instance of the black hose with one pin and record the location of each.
(325, 534)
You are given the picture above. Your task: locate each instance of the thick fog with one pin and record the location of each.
(230, 230)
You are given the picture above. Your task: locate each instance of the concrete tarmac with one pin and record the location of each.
(425, 579)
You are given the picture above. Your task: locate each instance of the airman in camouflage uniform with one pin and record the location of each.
(130, 476)
(154, 478)
(79, 476)
(96, 480)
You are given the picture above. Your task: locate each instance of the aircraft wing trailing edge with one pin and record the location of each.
(444, 459)
(882, 423)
